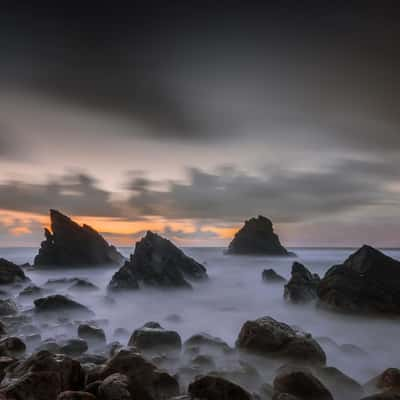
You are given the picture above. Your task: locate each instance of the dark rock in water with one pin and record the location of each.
(387, 381)
(11, 273)
(49, 345)
(73, 347)
(204, 340)
(302, 286)
(270, 276)
(145, 380)
(257, 237)
(214, 388)
(75, 395)
(91, 334)
(268, 337)
(153, 336)
(69, 244)
(367, 282)
(8, 307)
(31, 291)
(301, 383)
(83, 285)
(115, 387)
(92, 359)
(12, 347)
(59, 302)
(157, 262)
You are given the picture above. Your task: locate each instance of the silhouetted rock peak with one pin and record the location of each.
(157, 262)
(71, 244)
(257, 237)
(368, 281)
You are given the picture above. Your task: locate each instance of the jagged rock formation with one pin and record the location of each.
(11, 273)
(69, 244)
(367, 282)
(257, 237)
(159, 263)
(270, 276)
(302, 286)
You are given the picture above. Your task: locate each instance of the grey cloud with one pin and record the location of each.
(286, 196)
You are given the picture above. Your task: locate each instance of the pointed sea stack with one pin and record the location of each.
(69, 244)
(257, 237)
(367, 282)
(159, 263)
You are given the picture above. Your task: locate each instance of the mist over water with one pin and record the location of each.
(235, 293)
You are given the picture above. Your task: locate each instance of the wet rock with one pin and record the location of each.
(12, 347)
(50, 346)
(96, 359)
(389, 381)
(301, 383)
(11, 273)
(152, 336)
(115, 387)
(157, 262)
(215, 388)
(75, 395)
(302, 286)
(8, 307)
(58, 302)
(383, 396)
(31, 291)
(83, 285)
(92, 334)
(268, 337)
(73, 347)
(270, 276)
(367, 282)
(257, 237)
(204, 340)
(144, 378)
(93, 387)
(71, 244)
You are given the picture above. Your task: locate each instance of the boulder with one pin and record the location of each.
(12, 346)
(214, 388)
(57, 303)
(75, 395)
(73, 347)
(206, 341)
(367, 282)
(11, 273)
(159, 263)
(115, 387)
(92, 334)
(301, 383)
(388, 380)
(31, 291)
(270, 276)
(270, 338)
(8, 307)
(257, 237)
(69, 244)
(83, 285)
(302, 286)
(152, 336)
(145, 380)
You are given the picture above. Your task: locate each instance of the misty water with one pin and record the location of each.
(235, 293)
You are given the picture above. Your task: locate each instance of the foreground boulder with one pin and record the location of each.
(268, 337)
(257, 237)
(270, 276)
(302, 286)
(215, 388)
(152, 336)
(12, 346)
(301, 383)
(69, 244)
(11, 273)
(157, 262)
(387, 381)
(144, 380)
(58, 302)
(367, 282)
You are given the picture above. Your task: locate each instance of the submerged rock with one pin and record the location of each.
(73, 347)
(159, 263)
(270, 276)
(59, 302)
(268, 337)
(92, 334)
(215, 388)
(8, 307)
(12, 347)
(367, 282)
(31, 291)
(83, 285)
(387, 381)
(257, 237)
(206, 341)
(153, 336)
(11, 273)
(302, 286)
(69, 244)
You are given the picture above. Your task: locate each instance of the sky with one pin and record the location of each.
(189, 119)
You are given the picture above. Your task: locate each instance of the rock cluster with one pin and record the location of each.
(159, 263)
(69, 244)
(257, 237)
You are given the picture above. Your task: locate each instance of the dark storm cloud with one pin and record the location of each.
(209, 72)
(77, 194)
(286, 196)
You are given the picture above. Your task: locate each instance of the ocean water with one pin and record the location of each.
(235, 293)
